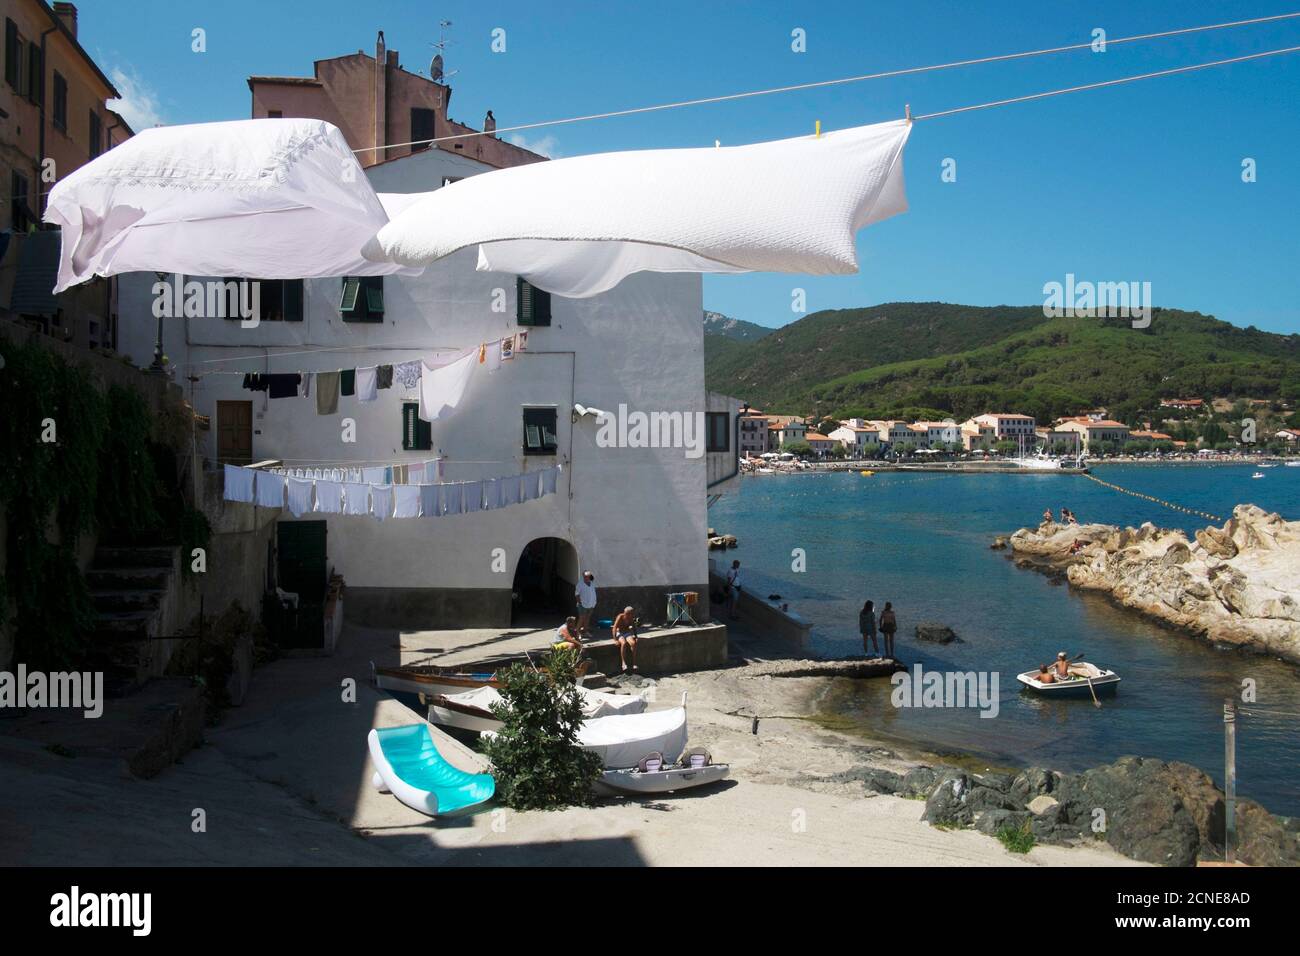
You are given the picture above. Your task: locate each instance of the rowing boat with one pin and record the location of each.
(433, 681)
(1076, 685)
(472, 709)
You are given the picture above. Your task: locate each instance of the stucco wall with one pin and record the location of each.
(636, 515)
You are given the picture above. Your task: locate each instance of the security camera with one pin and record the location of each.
(581, 411)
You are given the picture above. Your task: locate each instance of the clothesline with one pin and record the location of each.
(383, 499)
(701, 101)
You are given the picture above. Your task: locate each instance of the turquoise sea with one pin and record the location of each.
(922, 541)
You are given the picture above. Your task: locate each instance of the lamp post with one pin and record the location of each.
(157, 366)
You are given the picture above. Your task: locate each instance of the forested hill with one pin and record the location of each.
(936, 360)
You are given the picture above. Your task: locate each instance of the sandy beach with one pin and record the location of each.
(284, 780)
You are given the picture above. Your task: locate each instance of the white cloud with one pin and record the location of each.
(139, 104)
(544, 146)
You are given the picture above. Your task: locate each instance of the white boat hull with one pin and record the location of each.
(661, 781)
(1106, 682)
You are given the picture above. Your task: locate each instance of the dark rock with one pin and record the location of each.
(882, 781)
(919, 781)
(987, 798)
(935, 633)
(1144, 818)
(998, 781)
(999, 543)
(946, 804)
(1263, 839)
(1030, 783)
(991, 821)
(1049, 827)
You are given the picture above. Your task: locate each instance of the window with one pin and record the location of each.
(279, 300)
(96, 135)
(60, 102)
(362, 299)
(35, 75)
(417, 434)
(20, 215)
(421, 128)
(448, 180)
(539, 431)
(15, 74)
(532, 306)
(274, 114)
(717, 430)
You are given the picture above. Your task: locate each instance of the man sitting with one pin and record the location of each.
(566, 635)
(1062, 666)
(1045, 675)
(625, 636)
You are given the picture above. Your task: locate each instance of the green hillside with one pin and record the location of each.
(920, 360)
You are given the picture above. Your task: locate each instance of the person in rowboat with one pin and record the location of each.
(1045, 675)
(1061, 669)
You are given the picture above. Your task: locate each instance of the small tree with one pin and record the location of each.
(535, 755)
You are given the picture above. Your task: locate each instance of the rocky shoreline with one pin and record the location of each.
(1237, 585)
(1168, 814)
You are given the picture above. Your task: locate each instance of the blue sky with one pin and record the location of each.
(1136, 183)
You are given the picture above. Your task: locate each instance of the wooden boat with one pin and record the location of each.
(472, 709)
(661, 781)
(1076, 685)
(433, 681)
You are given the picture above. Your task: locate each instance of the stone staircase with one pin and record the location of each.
(132, 592)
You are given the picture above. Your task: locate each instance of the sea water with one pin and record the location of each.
(921, 540)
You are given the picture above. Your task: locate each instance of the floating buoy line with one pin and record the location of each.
(1153, 498)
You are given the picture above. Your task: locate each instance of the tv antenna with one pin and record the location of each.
(437, 72)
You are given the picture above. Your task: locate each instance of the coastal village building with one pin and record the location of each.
(635, 516)
(946, 434)
(857, 436)
(820, 444)
(1054, 441)
(1288, 434)
(53, 119)
(1190, 404)
(1008, 426)
(1147, 435)
(753, 434)
(1091, 432)
(978, 436)
(785, 430)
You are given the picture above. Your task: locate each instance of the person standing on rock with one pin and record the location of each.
(867, 627)
(888, 625)
(733, 589)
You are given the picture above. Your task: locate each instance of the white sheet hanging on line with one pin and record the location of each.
(329, 497)
(266, 198)
(356, 499)
(270, 490)
(576, 227)
(381, 501)
(406, 501)
(367, 384)
(299, 496)
(430, 501)
(238, 485)
(442, 388)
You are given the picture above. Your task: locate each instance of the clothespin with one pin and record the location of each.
(907, 112)
(817, 134)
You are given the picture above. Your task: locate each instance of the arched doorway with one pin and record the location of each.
(542, 593)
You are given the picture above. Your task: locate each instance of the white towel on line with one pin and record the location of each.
(270, 490)
(299, 496)
(430, 501)
(239, 484)
(381, 501)
(329, 497)
(356, 499)
(367, 384)
(406, 501)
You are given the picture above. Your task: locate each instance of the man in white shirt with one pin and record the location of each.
(585, 595)
(733, 589)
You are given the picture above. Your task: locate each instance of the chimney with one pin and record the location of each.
(67, 12)
(381, 100)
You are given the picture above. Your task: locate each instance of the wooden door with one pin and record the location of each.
(235, 432)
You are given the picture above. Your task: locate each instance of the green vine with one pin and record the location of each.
(73, 461)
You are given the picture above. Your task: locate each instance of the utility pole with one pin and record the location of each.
(1229, 779)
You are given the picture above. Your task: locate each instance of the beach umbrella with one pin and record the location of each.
(266, 198)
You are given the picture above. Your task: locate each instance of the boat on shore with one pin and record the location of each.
(1084, 681)
(472, 710)
(433, 681)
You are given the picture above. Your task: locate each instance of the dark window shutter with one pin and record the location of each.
(293, 300)
(35, 75)
(96, 135)
(417, 434)
(60, 101)
(351, 294)
(12, 54)
(533, 305)
(421, 128)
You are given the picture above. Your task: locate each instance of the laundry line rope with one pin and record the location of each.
(908, 71)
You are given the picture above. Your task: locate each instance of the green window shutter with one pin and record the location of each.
(351, 294)
(375, 295)
(417, 434)
(533, 305)
(13, 55)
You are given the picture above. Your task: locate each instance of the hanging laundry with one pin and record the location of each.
(329, 497)
(348, 381)
(474, 496)
(407, 374)
(356, 499)
(509, 489)
(381, 501)
(400, 474)
(270, 490)
(283, 384)
(441, 389)
(299, 496)
(373, 475)
(430, 501)
(239, 484)
(415, 473)
(529, 483)
(384, 377)
(304, 387)
(367, 384)
(549, 478)
(492, 360)
(327, 393)
(453, 498)
(406, 501)
(507, 348)
(521, 340)
(255, 382)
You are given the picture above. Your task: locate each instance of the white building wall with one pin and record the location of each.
(635, 515)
